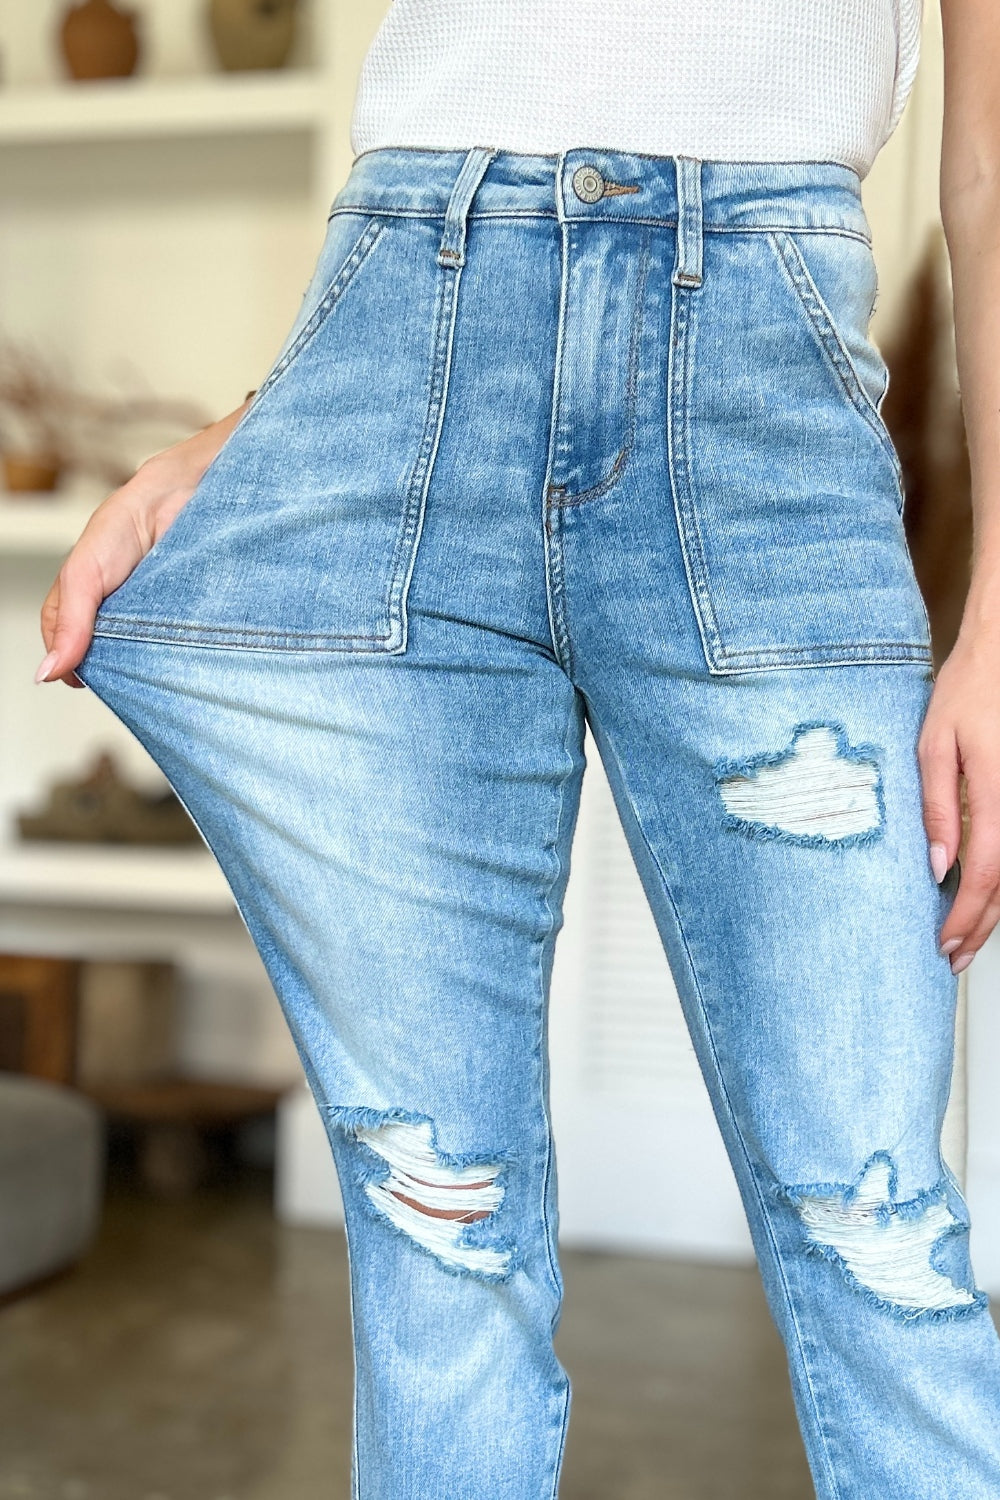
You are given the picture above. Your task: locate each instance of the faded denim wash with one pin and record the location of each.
(553, 440)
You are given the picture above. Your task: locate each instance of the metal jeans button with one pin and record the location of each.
(588, 184)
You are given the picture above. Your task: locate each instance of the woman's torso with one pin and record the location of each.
(767, 80)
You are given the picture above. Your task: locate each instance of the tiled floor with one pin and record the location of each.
(201, 1353)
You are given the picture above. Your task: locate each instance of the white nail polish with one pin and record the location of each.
(45, 667)
(939, 861)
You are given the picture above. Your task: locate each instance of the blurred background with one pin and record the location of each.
(174, 1320)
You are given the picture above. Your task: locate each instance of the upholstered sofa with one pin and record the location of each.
(51, 1178)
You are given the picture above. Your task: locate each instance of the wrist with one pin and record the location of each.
(981, 611)
(198, 451)
(181, 466)
(980, 626)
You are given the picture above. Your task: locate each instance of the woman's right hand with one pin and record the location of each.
(118, 535)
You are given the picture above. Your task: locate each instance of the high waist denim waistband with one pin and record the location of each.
(587, 183)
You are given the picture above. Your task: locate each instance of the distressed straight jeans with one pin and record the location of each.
(593, 439)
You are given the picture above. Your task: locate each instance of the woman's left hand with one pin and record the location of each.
(961, 736)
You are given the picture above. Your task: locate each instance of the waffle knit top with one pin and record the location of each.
(765, 80)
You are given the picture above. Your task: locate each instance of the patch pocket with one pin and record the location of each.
(302, 533)
(785, 482)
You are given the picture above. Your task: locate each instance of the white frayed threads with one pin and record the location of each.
(813, 791)
(890, 1256)
(430, 1201)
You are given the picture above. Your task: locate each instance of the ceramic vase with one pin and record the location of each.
(252, 33)
(99, 40)
(26, 474)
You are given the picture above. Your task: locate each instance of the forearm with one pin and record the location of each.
(971, 217)
(970, 212)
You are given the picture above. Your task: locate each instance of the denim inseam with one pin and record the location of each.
(593, 438)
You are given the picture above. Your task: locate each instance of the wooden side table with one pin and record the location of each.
(176, 1120)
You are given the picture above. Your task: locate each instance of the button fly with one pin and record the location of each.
(588, 184)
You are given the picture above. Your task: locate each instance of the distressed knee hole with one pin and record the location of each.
(886, 1248)
(820, 790)
(430, 1199)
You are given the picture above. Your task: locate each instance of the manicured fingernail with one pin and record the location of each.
(951, 945)
(958, 964)
(939, 862)
(46, 667)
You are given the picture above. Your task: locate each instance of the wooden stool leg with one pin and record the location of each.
(171, 1158)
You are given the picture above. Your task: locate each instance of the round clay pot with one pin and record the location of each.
(25, 473)
(252, 33)
(99, 40)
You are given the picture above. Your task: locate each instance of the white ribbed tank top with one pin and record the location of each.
(771, 80)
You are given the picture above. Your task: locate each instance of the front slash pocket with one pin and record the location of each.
(302, 533)
(846, 267)
(785, 483)
(320, 298)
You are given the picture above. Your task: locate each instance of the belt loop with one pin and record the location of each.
(452, 248)
(560, 199)
(687, 266)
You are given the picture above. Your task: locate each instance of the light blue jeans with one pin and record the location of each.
(593, 438)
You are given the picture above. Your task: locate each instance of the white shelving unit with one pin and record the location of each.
(140, 879)
(138, 108)
(45, 526)
(173, 115)
(286, 101)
